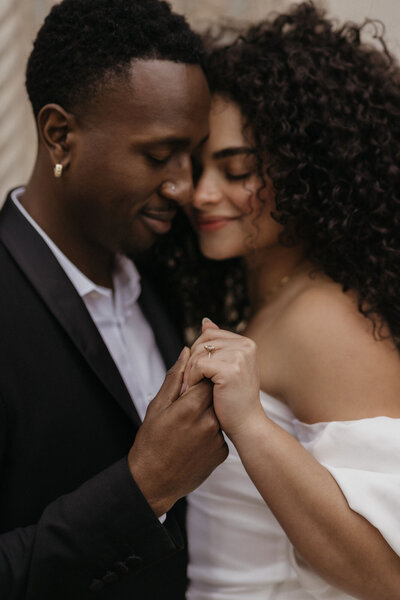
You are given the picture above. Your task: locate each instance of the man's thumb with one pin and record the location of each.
(172, 384)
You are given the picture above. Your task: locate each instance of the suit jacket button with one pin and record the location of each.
(133, 561)
(110, 577)
(96, 585)
(121, 568)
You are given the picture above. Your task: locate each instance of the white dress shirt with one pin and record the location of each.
(119, 319)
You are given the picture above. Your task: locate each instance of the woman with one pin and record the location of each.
(300, 181)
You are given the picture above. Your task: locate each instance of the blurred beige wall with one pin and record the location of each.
(20, 19)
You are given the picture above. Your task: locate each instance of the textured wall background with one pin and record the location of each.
(20, 19)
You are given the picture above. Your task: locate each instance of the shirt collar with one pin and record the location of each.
(126, 278)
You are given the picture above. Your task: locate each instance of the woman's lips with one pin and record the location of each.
(213, 224)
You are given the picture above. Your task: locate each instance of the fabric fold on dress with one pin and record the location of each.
(238, 549)
(363, 456)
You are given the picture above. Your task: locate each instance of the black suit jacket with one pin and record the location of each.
(72, 521)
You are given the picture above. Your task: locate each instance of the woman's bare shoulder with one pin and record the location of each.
(327, 361)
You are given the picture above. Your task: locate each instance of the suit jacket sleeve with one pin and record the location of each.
(84, 540)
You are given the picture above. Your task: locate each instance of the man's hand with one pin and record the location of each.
(179, 443)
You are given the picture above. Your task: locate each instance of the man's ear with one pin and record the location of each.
(56, 128)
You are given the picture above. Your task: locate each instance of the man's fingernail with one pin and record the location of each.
(182, 352)
(206, 320)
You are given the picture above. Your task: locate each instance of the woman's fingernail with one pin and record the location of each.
(206, 320)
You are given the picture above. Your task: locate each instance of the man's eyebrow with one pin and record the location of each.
(169, 141)
(180, 142)
(226, 152)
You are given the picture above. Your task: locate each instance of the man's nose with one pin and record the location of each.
(179, 187)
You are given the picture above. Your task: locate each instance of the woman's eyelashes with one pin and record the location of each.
(238, 176)
(238, 168)
(228, 171)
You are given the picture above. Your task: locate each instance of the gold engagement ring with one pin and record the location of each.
(209, 348)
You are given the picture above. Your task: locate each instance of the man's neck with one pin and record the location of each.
(44, 208)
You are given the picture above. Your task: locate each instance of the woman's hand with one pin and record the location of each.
(230, 363)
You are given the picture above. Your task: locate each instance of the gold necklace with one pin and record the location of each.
(267, 296)
(274, 290)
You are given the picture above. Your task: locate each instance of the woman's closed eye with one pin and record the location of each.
(238, 176)
(238, 168)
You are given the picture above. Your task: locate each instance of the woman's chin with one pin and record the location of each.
(217, 253)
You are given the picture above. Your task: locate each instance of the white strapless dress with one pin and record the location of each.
(237, 549)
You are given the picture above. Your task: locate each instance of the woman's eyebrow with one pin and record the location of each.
(225, 152)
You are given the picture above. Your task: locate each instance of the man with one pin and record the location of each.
(88, 493)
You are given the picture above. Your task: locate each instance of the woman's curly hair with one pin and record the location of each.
(323, 108)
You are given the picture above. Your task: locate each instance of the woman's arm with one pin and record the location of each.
(339, 544)
(323, 337)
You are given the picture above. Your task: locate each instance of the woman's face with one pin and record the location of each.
(231, 207)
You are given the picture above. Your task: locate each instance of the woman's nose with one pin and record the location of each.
(206, 192)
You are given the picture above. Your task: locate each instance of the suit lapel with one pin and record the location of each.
(48, 278)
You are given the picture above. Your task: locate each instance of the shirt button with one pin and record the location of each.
(96, 585)
(121, 567)
(133, 561)
(110, 577)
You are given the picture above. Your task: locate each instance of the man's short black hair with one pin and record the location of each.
(82, 42)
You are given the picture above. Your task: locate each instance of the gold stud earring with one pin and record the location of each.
(58, 169)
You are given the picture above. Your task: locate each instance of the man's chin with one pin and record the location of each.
(137, 250)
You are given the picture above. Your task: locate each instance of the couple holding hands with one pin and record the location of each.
(286, 182)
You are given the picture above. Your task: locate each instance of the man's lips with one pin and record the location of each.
(213, 223)
(159, 221)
